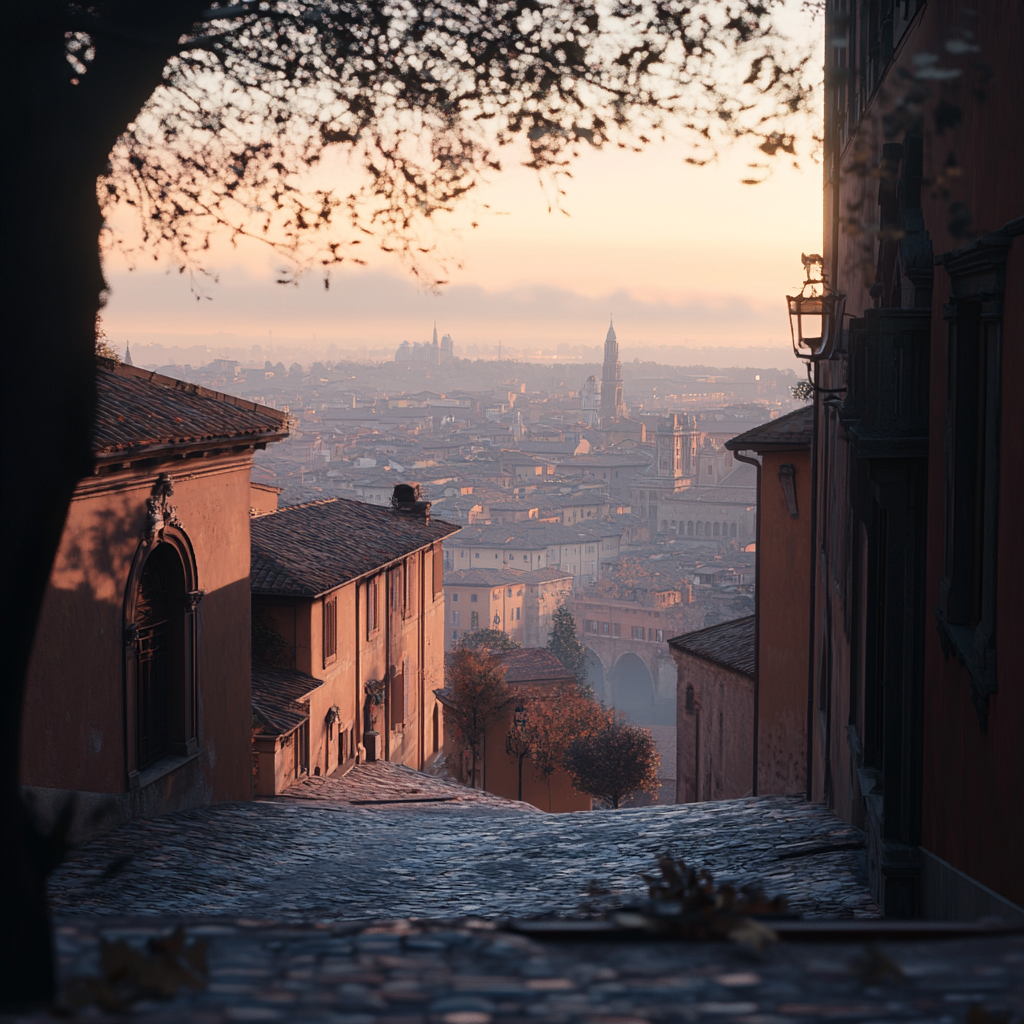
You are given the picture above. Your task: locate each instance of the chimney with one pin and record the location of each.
(406, 498)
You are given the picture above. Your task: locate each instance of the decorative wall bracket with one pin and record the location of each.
(159, 511)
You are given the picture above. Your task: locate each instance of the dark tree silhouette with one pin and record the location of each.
(614, 761)
(564, 644)
(206, 120)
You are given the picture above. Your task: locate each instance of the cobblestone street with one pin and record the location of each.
(323, 852)
(378, 899)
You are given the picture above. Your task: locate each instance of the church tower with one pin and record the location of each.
(613, 407)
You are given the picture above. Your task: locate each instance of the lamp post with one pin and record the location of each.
(515, 741)
(816, 313)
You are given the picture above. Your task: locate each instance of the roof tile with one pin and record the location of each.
(729, 644)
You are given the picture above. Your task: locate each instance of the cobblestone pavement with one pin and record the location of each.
(316, 854)
(470, 973)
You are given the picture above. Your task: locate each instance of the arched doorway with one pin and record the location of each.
(161, 678)
(632, 689)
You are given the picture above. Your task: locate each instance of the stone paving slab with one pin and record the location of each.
(468, 972)
(316, 855)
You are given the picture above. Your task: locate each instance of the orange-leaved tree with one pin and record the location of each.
(613, 761)
(477, 696)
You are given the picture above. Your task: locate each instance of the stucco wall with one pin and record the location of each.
(785, 613)
(74, 729)
(714, 740)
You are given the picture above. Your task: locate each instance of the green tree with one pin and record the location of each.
(613, 761)
(494, 640)
(564, 644)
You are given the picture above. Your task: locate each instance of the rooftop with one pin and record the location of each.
(143, 413)
(791, 432)
(276, 697)
(502, 577)
(307, 550)
(729, 644)
(534, 665)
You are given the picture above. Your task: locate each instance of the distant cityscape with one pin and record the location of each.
(611, 490)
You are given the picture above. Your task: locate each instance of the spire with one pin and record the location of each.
(610, 336)
(435, 335)
(127, 355)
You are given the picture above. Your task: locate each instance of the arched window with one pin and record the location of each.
(732, 529)
(159, 619)
(689, 528)
(717, 529)
(161, 608)
(707, 529)
(725, 529)
(700, 529)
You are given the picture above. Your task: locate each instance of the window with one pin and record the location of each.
(509, 592)
(616, 629)
(637, 632)
(967, 593)
(659, 635)
(477, 555)
(330, 637)
(474, 620)
(438, 573)
(591, 625)
(472, 599)
(455, 596)
(605, 629)
(158, 620)
(398, 589)
(518, 616)
(371, 607)
(455, 618)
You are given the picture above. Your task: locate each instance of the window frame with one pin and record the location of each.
(968, 590)
(329, 634)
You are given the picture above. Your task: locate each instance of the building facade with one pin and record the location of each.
(518, 602)
(914, 665)
(139, 684)
(349, 597)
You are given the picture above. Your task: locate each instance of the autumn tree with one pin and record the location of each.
(477, 697)
(552, 720)
(564, 644)
(494, 640)
(205, 120)
(614, 761)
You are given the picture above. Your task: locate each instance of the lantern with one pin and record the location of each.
(816, 314)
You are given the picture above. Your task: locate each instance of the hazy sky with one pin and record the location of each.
(681, 255)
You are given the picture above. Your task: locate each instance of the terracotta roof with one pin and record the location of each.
(729, 644)
(277, 697)
(307, 550)
(534, 665)
(502, 577)
(139, 412)
(791, 432)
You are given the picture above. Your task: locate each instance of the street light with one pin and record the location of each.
(816, 314)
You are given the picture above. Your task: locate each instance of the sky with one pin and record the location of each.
(682, 256)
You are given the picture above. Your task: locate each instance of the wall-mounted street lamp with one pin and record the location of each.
(816, 313)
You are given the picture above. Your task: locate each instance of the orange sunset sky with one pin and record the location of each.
(682, 255)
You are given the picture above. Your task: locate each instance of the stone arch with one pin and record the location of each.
(161, 628)
(707, 529)
(633, 694)
(596, 674)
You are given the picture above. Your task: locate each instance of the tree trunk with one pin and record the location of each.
(53, 285)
